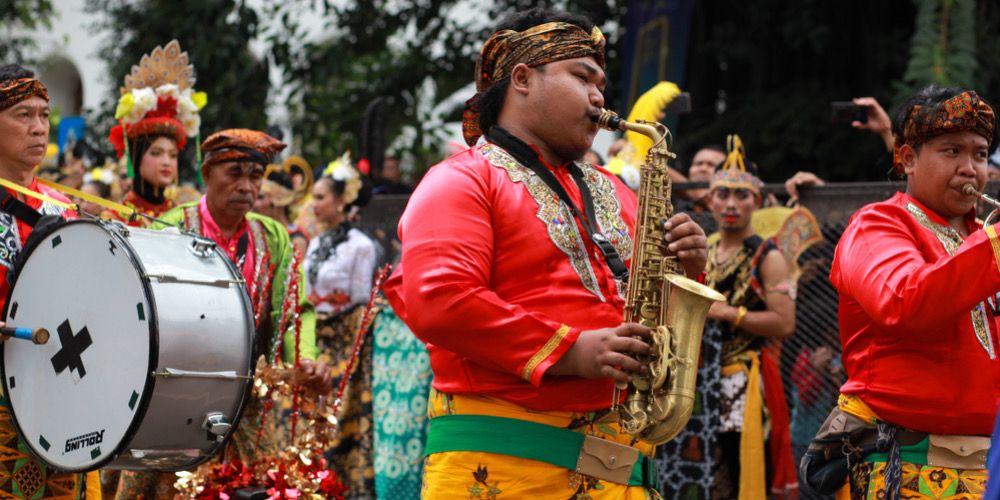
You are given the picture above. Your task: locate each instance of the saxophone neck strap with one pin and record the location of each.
(528, 157)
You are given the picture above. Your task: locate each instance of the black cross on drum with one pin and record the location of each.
(72, 347)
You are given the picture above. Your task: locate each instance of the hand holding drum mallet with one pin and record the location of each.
(38, 335)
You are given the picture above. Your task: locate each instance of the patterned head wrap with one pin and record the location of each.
(537, 46)
(733, 174)
(961, 113)
(240, 144)
(19, 89)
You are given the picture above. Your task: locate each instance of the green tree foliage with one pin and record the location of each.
(943, 49)
(216, 35)
(415, 54)
(18, 17)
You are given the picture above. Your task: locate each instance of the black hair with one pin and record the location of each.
(490, 103)
(711, 147)
(280, 178)
(338, 188)
(103, 190)
(14, 72)
(137, 147)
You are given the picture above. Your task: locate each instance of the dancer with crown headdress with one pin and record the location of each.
(721, 454)
(157, 113)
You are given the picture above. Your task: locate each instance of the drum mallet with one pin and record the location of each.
(38, 335)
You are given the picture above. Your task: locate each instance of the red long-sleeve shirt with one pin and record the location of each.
(906, 318)
(497, 279)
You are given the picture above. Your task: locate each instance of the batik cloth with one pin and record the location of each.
(919, 482)
(536, 46)
(752, 410)
(240, 144)
(401, 382)
(478, 475)
(351, 453)
(17, 90)
(963, 112)
(685, 465)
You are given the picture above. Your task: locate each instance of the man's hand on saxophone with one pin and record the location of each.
(686, 239)
(606, 353)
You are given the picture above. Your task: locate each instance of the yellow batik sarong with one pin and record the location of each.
(919, 481)
(478, 475)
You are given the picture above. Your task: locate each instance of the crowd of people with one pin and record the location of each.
(498, 346)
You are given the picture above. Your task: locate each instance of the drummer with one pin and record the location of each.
(24, 135)
(233, 170)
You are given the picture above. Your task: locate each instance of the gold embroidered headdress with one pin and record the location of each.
(735, 173)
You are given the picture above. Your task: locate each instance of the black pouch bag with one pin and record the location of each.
(842, 440)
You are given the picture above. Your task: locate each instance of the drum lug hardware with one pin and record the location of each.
(217, 425)
(201, 246)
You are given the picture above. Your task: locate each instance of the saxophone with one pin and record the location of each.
(658, 405)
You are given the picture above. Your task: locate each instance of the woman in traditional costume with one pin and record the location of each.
(157, 113)
(339, 266)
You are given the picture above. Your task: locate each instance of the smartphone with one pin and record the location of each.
(680, 104)
(847, 112)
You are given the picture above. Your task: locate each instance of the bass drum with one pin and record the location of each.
(148, 364)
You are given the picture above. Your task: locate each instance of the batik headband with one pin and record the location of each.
(961, 113)
(17, 90)
(734, 174)
(240, 144)
(537, 46)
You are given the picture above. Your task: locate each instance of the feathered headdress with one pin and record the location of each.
(158, 98)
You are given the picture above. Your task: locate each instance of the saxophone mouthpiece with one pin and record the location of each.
(608, 119)
(970, 190)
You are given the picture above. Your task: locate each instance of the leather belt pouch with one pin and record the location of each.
(958, 452)
(606, 460)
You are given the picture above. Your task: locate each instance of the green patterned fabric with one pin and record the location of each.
(401, 380)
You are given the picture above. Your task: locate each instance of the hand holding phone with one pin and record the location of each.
(848, 112)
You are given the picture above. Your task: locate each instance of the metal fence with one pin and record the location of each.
(810, 359)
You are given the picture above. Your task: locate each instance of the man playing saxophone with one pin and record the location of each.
(915, 274)
(512, 266)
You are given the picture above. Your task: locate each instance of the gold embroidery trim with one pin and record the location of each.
(544, 352)
(558, 221)
(951, 240)
(992, 233)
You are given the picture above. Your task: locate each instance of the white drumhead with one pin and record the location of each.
(75, 398)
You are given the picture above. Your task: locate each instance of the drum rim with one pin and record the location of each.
(154, 351)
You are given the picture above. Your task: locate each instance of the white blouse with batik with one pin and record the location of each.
(343, 278)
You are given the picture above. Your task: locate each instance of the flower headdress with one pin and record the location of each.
(736, 172)
(341, 170)
(158, 99)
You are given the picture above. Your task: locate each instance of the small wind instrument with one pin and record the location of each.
(971, 190)
(658, 405)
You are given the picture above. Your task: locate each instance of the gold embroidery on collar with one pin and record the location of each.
(951, 240)
(559, 221)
